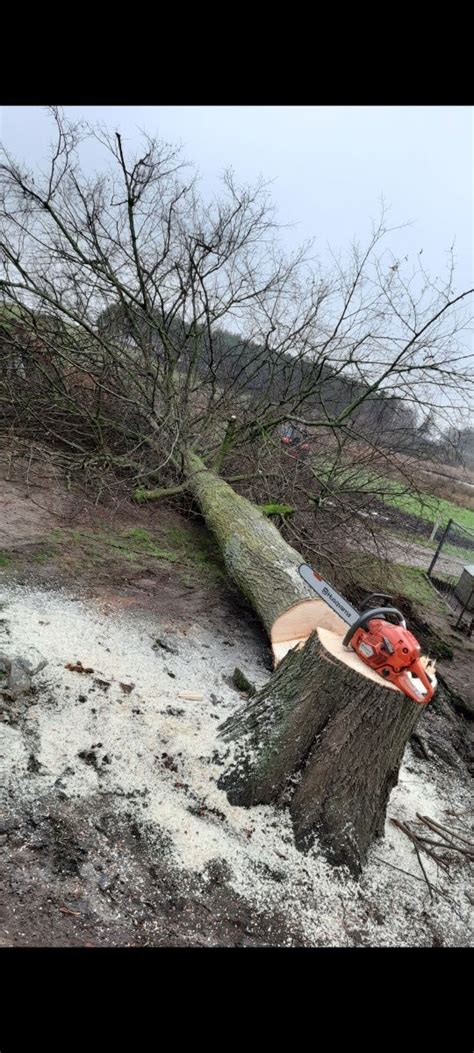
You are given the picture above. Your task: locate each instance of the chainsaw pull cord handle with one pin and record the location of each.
(378, 612)
(417, 670)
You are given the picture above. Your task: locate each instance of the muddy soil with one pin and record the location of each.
(83, 871)
(84, 860)
(78, 874)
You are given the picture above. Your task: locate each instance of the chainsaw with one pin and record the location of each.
(390, 649)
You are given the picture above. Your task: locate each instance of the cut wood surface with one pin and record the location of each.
(293, 627)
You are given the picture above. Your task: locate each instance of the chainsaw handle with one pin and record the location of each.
(371, 600)
(411, 691)
(378, 612)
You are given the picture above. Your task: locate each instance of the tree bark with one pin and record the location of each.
(325, 741)
(259, 561)
(257, 558)
(326, 735)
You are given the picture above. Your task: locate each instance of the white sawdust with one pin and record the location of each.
(385, 908)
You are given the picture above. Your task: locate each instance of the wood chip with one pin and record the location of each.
(192, 696)
(78, 667)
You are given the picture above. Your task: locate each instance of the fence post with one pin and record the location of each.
(466, 608)
(434, 530)
(440, 545)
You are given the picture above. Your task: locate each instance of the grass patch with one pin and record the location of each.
(43, 557)
(431, 508)
(397, 495)
(467, 554)
(410, 582)
(179, 537)
(197, 549)
(193, 552)
(138, 534)
(413, 583)
(130, 544)
(102, 552)
(105, 546)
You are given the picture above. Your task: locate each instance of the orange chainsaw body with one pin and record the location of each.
(394, 653)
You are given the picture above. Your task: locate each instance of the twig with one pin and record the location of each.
(414, 839)
(438, 830)
(445, 845)
(428, 882)
(28, 470)
(436, 888)
(418, 844)
(401, 871)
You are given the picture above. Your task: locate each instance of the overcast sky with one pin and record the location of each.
(330, 165)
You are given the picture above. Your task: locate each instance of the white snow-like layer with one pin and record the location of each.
(386, 907)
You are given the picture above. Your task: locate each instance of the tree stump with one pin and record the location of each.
(326, 742)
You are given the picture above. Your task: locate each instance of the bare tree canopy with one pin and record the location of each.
(147, 316)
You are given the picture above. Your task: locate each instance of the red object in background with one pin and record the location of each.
(300, 448)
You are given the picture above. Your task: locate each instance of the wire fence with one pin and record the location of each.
(452, 571)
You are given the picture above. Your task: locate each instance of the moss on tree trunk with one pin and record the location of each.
(257, 558)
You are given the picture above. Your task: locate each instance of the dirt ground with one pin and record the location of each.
(130, 894)
(113, 831)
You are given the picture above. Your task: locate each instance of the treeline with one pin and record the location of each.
(33, 347)
(248, 368)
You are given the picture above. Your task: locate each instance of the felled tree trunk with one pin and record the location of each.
(260, 562)
(326, 734)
